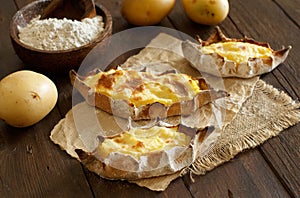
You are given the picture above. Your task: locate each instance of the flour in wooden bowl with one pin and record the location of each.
(60, 34)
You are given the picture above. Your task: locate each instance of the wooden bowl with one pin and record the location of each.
(53, 61)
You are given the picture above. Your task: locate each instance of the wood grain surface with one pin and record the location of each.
(32, 166)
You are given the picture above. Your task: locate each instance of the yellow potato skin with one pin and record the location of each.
(26, 98)
(206, 12)
(146, 12)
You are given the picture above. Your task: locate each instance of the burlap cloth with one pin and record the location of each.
(253, 113)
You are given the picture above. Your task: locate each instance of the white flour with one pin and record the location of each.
(60, 34)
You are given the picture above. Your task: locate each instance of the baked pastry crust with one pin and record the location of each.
(118, 165)
(217, 64)
(126, 109)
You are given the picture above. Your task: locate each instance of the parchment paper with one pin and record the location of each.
(227, 137)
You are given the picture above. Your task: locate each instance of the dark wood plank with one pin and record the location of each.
(9, 60)
(22, 3)
(279, 151)
(107, 188)
(32, 166)
(240, 181)
(183, 24)
(65, 91)
(265, 21)
(54, 173)
(248, 175)
(241, 23)
(217, 181)
(283, 155)
(291, 9)
(119, 23)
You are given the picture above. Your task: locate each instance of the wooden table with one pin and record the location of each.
(32, 166)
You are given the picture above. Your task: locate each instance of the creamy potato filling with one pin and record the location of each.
(238, 52)
(142, 88)
(138, 142)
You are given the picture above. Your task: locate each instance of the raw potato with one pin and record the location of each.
(26, 98)
(206, 12)
(146, 12)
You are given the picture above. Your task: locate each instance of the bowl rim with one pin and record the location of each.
(106, 31)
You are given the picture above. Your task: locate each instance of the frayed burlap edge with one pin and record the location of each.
(226, 150)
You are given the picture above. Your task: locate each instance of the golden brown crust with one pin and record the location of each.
(218, 36)
(123, 166)
(125, 109)
(95, 99)
(217, 65)
(98, 166)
